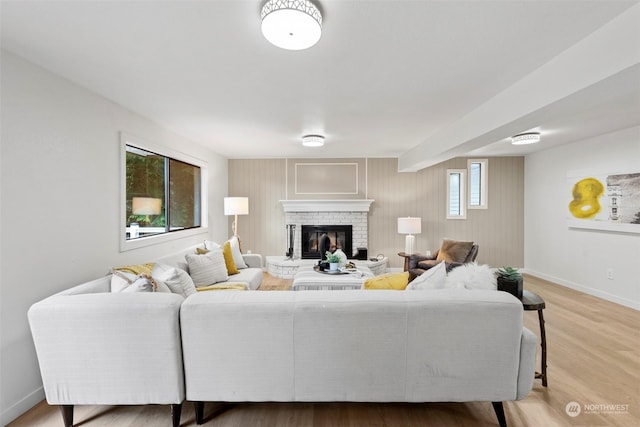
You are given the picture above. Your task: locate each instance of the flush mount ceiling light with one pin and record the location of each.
(291, 24)
(313, 140)
(525, 138)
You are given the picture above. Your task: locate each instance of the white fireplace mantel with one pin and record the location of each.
(343, 205)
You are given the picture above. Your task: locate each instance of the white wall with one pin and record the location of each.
(579, 258)
(60, 194)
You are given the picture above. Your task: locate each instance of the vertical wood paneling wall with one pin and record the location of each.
(499, 230)
(264, 182)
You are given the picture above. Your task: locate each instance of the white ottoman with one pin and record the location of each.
(306, 279)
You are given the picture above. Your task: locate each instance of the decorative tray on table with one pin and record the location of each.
(317, 268)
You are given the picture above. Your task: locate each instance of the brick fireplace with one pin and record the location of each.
(329, 212)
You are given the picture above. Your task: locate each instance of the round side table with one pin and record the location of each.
(530, 302)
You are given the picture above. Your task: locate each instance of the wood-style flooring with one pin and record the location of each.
(593, 360)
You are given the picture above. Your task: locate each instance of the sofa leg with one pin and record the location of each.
(199, 406)
(499, 409)
(67, 415)
(176, 412)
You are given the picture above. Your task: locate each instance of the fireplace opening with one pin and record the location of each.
(316, 240)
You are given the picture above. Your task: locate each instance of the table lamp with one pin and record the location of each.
(236, 206)
(409, 226)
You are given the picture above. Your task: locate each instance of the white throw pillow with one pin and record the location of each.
(433, 278)
(141, 284)
(472, 276)
(176, 279)
(120, 280)
(211, 245)
(207, 269)
(235, 251)
(162, 287)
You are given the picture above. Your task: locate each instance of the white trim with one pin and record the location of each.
(127, 245)
(23, 405)
(589, 291)
(346, 205)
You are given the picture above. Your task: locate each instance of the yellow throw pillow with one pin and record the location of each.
(228, 259)
(136, 269)
(397, 281)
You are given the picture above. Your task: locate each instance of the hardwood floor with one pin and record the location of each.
(593, 360)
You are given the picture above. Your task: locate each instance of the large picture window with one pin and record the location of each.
(162, 194)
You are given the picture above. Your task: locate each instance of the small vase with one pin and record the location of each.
(333, 266)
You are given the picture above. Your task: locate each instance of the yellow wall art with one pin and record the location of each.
(604, 201)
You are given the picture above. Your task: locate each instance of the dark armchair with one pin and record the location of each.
(453, 253)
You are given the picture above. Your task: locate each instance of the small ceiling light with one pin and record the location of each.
(525, 138)
(291, 24)
(313, 140)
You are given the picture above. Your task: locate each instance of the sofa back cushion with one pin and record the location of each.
(384, 346)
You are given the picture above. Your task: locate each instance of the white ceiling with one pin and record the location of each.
(419, 80)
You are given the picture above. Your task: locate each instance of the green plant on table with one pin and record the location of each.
(332, 258)
(509, 273)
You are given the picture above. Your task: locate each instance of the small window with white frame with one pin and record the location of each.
(478, 183)
(456, 193)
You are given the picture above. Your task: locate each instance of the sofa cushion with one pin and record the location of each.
(433, 278)
(207, 269)
(397, 281)
(176, 279)
(251, 276)
(454, 251)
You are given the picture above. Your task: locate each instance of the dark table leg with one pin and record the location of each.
(543, 344)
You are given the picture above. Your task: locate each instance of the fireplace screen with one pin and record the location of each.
(317, 239)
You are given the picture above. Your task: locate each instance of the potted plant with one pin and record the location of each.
(510, 280)
(333, 260)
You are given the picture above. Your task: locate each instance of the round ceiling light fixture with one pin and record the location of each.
(313, 140)
(291, 24)
(525, 138)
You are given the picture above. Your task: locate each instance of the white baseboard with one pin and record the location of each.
(22, 406)
(587, 290)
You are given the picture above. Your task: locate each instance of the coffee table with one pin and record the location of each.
(306, 279)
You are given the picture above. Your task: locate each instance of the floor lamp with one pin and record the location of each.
(409, 226)
(236, 206)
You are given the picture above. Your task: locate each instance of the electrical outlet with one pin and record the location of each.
(610, 273)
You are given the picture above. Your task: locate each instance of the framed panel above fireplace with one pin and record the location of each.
(316, 178)
(312, 235)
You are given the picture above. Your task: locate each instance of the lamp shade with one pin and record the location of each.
(146, 206)
(409, 225)
(236, 205)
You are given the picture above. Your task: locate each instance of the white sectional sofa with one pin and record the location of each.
(102, 348)
(98, 347)
(451, 345)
